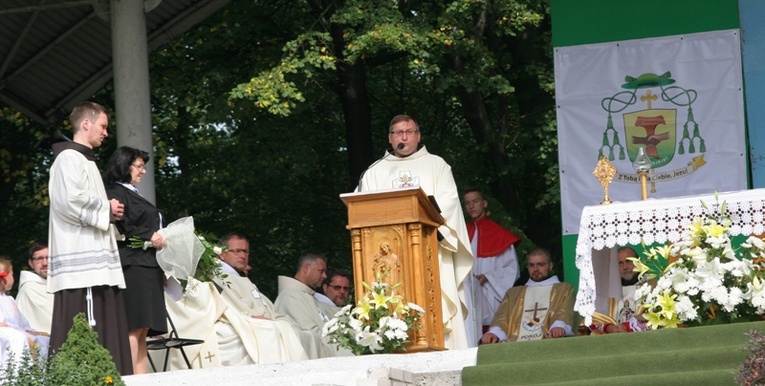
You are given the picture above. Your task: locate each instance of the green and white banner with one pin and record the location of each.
(679, 97)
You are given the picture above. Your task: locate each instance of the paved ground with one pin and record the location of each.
(442, 368)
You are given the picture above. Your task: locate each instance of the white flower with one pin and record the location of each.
(330, 327)
(369, 339)
(345, 311)
(757, 294)
(355, 324)
(754, 242)
(218, 250)
(415, 307)
(685, 308)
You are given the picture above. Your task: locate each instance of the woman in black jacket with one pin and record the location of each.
(144, 279)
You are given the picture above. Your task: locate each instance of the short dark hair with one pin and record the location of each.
(473, 190)
(37, 245)
(87, 109)
(309, 256)
(223, 241)
(118, 168)
(541, 251)
(402, 118)
(336, 272)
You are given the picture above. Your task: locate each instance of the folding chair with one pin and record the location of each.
(172, 341)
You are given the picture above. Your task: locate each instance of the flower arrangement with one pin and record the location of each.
(209, 265)
(186, 253)
(700, 280)
(380, 322)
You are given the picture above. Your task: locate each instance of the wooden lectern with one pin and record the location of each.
(396, 230)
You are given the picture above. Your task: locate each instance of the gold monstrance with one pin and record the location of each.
(604, 172)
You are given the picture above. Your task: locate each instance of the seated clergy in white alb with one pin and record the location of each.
(242, 295)
(543, 308)
(33, 298)
(235, 321)
(296, 298)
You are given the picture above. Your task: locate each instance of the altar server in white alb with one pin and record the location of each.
(84, 270)
(33, 298)
(410, 166)
(496, 263)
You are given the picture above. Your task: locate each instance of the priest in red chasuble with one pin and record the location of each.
(495, 268)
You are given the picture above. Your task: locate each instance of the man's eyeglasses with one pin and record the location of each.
(409, 133)
(39, 258)
(238, 251)
(339, 287)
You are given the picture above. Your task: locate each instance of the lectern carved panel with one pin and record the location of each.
(406, 247)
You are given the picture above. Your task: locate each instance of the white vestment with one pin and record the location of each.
(243, 296)
(296, 301)
(83, 248)
(34, 301)
(15, 337)
(324, 299)
(501, 272)
(230, 337)
(434, 176)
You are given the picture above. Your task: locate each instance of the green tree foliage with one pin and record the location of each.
(24, 164)
(267, 111)
(477, 75)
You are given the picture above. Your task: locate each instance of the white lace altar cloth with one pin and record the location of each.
(660, 220)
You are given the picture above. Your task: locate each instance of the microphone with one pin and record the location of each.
(398, 147)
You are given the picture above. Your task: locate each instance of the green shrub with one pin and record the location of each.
(81, 361)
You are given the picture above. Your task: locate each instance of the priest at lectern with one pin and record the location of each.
(407, 166)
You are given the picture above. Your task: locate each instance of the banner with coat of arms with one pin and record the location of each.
(680, 98)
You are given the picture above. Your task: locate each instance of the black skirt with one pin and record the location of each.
(145, 298)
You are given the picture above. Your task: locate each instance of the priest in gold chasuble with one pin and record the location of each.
(543, 308)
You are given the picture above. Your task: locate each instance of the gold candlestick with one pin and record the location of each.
(642, 165)
(643, 174)
(604, 172)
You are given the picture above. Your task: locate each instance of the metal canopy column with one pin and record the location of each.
(130, 58)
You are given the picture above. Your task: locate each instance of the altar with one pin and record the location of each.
(603, 228)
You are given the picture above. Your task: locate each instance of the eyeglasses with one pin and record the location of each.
(409, 133)
(339, 287)
(39, 258)
(139, 167)
(238, 251)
